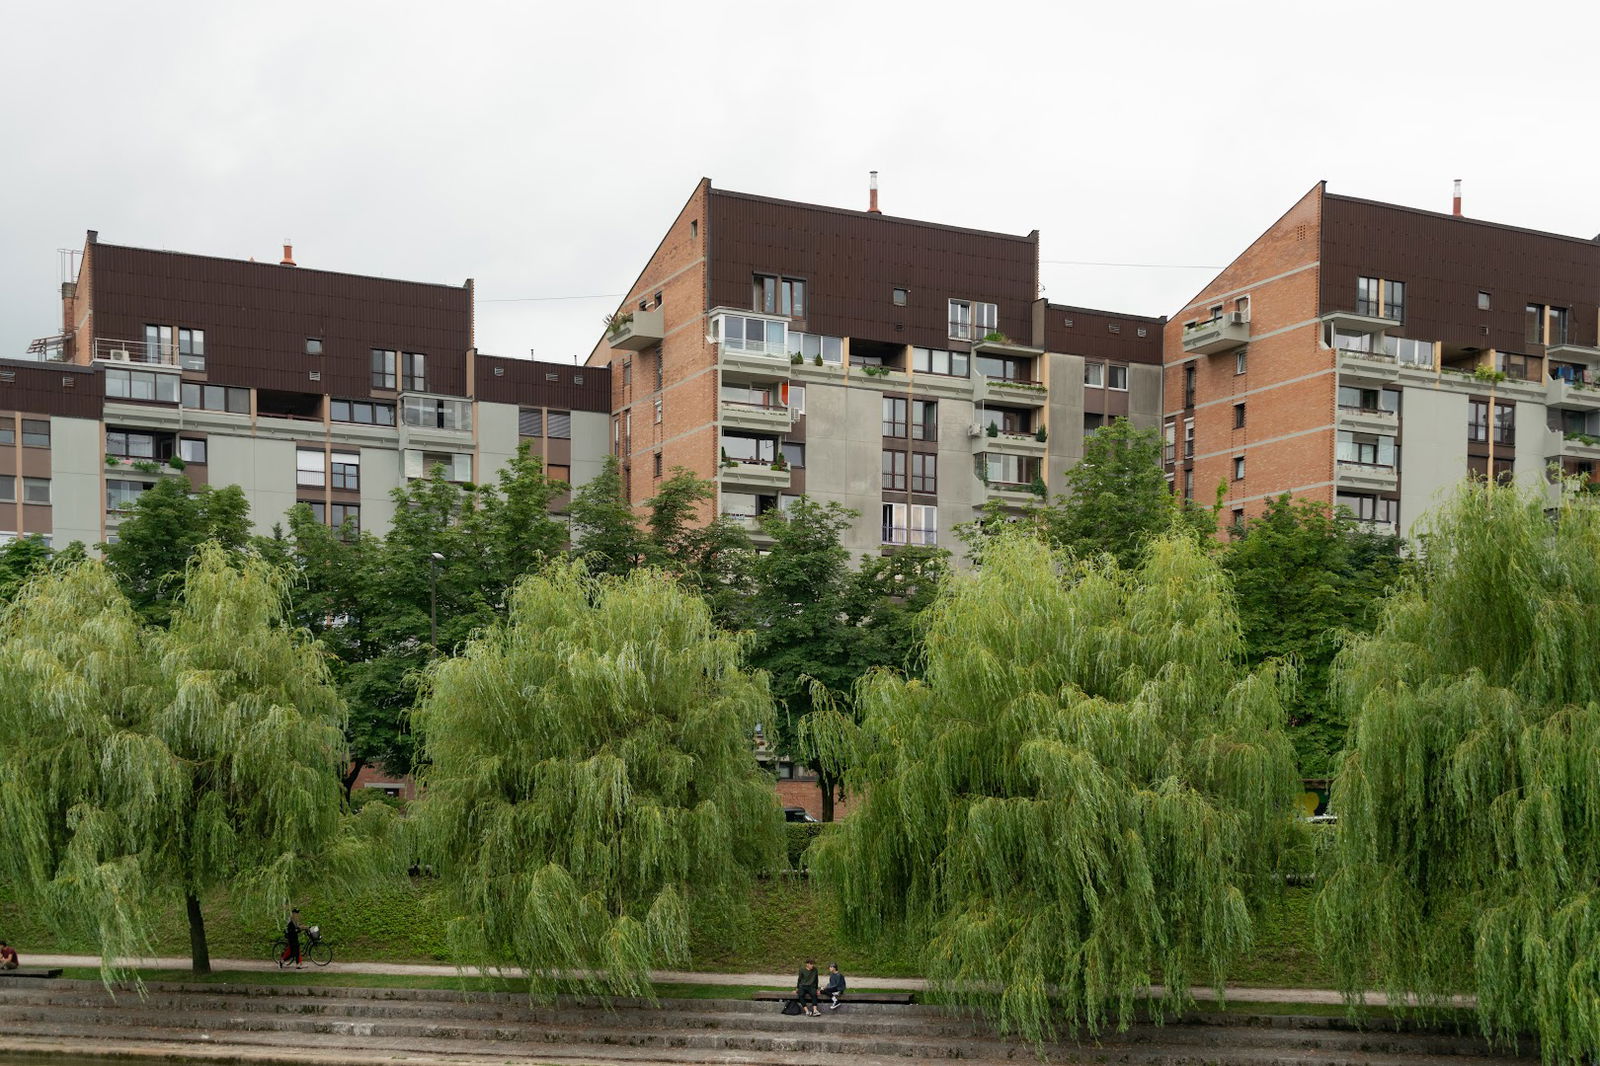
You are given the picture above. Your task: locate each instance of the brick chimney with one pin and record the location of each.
(1455, 207)
(288, 254)
(872, 200)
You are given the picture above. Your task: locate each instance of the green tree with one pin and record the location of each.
(166, 526)
(27, 557)
(1087, 792)
(523, 535)
(711, 557)
(888, 603)
(590, 789)
(1304, 578)
(605, 530)
(1467, 850)
(138, 765)
(1117, 497)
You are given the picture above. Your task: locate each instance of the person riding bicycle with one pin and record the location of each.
(291, 932)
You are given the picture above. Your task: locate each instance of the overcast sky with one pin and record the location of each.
(542, 149)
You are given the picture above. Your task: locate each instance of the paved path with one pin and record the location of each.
(775, 980)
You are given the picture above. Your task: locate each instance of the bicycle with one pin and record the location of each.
(312, 947)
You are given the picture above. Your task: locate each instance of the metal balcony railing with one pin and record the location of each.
(130, 351)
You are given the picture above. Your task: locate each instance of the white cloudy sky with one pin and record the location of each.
(542, 148)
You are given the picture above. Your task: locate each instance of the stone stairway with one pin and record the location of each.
(256, 1023)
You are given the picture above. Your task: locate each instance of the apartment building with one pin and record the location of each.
(905, 369)
(298, 385)
(1373, 355)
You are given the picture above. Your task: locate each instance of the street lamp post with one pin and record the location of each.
(434, 559)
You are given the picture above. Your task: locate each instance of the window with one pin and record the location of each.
(1557, 332)
(436, 412)
(530, 422)
(1483, 300)
(1366, 449)
(414, 372)
(1238, 468)
(1409, 352)
(1239, 361)
(346, 470)
(811, 346)
(141, 385)
(1093, 420)
(894, 471)
(1169, 443)
(309, 468)
(562, 474)
(346, 518)
(1003, 368)
(457, 465)
(192, 349)
(1188, 484)
(1546, 325)
(1188, 386)
(1394, 300)
(319, 510)
(1094, 375)
(1241, 307)
(1353, 398)
(657, 362)
(1477, 422)
(192, 450)
(972, 321)
(35, 433)
(1238, 518)
(1379, 298)
(939, 361)
(1009, 470)
(780, 296)
(8, 432)
(558, 425)
(1505, 423)
(738, 333)
(1238, 416)
(924, 420)
(924, 472)
(1188, 438)
(383, 368)
(1117, 377)
(797, 399)
(694, 227)
(362, 412)
(657, 406)
(655, 460)
(216, 398)
(8, 488)
(753, 450)
(794, 454)
(130, 445)
(910, 524)
(1367, 303)
(900, 297)
(122, 495)
(313, 345)
(35, 490)
(1367, 508)
(894, 416)
(158, 344)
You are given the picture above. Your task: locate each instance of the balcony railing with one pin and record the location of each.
(154, 354)
(909, 535)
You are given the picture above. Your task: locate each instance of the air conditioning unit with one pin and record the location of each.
(1236, 318)
(974, 431)
(119, 355)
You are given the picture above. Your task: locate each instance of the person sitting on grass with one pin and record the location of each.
(835, 987)
(8, 957)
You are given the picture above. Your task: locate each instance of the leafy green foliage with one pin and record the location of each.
(28, 557)
(1303, 578)
(139, 763)
(1087, 791)
(708, 553)
(605, 531)
(168, 523)
(590, 789)
(1468, 847)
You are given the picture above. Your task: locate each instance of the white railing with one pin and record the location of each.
(117, 351)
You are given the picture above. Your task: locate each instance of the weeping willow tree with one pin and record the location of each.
(1467, 855)
(1087, 793)
(141, 765)
(590, 788)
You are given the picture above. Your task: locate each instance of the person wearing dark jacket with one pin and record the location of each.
(835, 986)
(291, 933)
(805, 989)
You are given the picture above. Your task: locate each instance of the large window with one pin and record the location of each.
(1381, 298)
(749, 449)
(910, 524)
(122, 495)
(1002, 368)
(530, 422)
(924, 419)
(1366, 449)
(192, 349)
(158, 344)
(1546, 324)
(141, 385)
(794, 454)
(414, 372)
(457, 465)
(216, 398)
(780, 296)
(345, 471)
(192, 450)
(1408, 351)
(346, 518)
(809, 347)
(894, 471)
(558, 425)
(309, 468)
(939, 361)
(8, 431)
(895, 409)
(1394, 300)
(1367, 296)
(737, 333)
(1117, 377)
(1009, 469)
(1354, 398)
(130, 444)
(8, 488)
(924, 472)
(1094, 375)
(35, 433)
(1367, 508)
(383, 368)
(970, 321)
(35, 490)
(362, 412)
(434, 412)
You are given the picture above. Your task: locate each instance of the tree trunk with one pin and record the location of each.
(356, 766)
(198, 953)
(825, 786)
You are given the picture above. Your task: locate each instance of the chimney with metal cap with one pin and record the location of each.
(1455, 208)
(288, 253)
(872, 202)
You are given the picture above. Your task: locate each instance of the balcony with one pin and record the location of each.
(1222, 334)
(1356, 322)
(637, 330)
(1574, 353)
(1006, 443)
(1573, 446)
(762, 418)
(1368, 477)
(115, 351)
(1012, 495)
(1015, 391)
(1368, 367)
(1369, 420)
(748, 474)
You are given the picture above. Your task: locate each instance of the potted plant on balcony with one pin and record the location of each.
(995, 337)
(176, 462)
(795, 358)
(727, 460)
(112, 460)
(618, 322)
(1040, 435)
(1037, 486)
(146, 466)
(816, 360)
(993, 430)
(780, 463)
